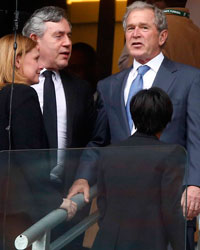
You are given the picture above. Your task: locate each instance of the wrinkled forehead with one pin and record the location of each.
(141, 15)
(61, 26)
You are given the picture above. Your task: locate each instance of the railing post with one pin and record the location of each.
(43, 243)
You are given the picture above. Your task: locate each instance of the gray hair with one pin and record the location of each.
(36, 23)
(160, 18)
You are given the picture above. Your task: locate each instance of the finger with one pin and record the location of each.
(86, 194)
(183, 205)
(74, 204)
(191, 210)
(183, 199)
(72, 192)
(197, 207)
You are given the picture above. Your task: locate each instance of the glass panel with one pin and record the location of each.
(139, 201)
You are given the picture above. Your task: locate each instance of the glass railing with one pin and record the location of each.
(139, 199)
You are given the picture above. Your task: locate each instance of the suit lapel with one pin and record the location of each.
(165, 76)
(117, 96)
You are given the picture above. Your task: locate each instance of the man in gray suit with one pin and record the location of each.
(146, 32)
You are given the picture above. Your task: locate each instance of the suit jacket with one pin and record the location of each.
(25, 188)
(182, 84)
(80, 110)
(139, 197)
(27, 129)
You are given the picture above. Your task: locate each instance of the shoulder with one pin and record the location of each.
(68, 78)
(17, 87)
(74, 84)
(118, 77)
(21, 94)
(180, 67)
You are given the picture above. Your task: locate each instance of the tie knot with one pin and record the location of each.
(47, 73)
(143, 69)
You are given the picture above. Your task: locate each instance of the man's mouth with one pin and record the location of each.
(136, 44)
(65, 53)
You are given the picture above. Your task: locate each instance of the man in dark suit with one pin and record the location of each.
(50, 27)
(66, 101)
(140, 183)
(146, 32)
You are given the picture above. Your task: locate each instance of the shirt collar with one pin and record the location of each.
(154, 63)
(55, 75)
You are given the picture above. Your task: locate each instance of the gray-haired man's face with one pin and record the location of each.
(55, 45)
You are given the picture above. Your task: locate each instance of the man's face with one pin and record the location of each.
(142, 37)
(55, 45)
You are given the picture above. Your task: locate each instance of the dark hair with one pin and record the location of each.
(175, 3)
(88, 51)
(151, 110)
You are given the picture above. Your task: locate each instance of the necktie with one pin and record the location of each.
(136, 86)
(50, 109)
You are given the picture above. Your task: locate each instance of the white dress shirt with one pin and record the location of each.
(148, 78)
(60, 103)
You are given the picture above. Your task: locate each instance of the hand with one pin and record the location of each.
(70, 206)
(193, 202)
(80, 186)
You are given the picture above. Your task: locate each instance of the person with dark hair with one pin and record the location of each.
(151, 110)
(183, 40)
(83, 63)
(140, 183)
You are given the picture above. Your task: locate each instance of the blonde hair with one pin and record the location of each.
(24, 45)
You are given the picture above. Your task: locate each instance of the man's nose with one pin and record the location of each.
(67, 41)
(136, 32)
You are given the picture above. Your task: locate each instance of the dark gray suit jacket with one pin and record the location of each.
(80, 110)
(140, 187)
(182, 84)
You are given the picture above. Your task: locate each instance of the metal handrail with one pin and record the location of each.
(39, 229)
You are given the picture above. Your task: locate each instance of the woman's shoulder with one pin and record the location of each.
(18, 88)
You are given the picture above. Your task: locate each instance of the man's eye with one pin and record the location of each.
(130, 28)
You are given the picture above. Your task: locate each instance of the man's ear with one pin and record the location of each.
(163, 37)
(34, 37)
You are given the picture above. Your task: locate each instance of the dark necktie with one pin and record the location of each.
(50, 109)
(136, 86)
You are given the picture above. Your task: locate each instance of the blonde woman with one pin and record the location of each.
(30, 195)
(26, 128)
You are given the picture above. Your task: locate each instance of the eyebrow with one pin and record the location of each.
(61, 32)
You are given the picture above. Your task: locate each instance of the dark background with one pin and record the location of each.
(25, 8)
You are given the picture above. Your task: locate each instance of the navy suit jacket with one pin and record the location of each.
(139, 197)
(182, 84)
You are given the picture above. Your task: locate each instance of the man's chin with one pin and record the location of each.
(62, 65)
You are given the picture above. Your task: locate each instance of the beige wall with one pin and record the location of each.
(194, 7)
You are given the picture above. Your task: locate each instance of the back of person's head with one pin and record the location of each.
(160, 18)
(87, 50)
(36, 23)
(151, 110)
(24, 45)
(83, 60)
